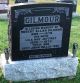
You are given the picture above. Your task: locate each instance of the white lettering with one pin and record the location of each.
(42, 19)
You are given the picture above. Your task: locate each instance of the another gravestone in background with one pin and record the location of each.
(21, 1)
(40, 30)
(4, 1)
(4, 9)
(4, 6)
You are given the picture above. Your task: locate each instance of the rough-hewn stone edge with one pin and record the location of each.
(6, 66)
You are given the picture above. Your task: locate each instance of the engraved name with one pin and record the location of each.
(42, 19)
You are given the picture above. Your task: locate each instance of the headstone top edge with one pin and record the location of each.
(30, 3)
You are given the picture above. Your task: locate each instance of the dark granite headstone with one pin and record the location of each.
(40, 30)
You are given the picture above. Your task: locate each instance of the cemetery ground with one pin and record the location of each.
(74, 37)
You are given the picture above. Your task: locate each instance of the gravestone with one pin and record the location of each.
(40, 30)
(4, 1)
(3, 6)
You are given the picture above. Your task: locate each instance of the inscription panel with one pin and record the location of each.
(41, 37)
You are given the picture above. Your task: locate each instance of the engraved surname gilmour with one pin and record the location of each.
(42, 19)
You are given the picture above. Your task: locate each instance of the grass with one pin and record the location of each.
(3, 35)
(75, 34)
(78, 6)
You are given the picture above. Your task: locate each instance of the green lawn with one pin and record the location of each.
(78, 6)
(75, 34)
(3, 34)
